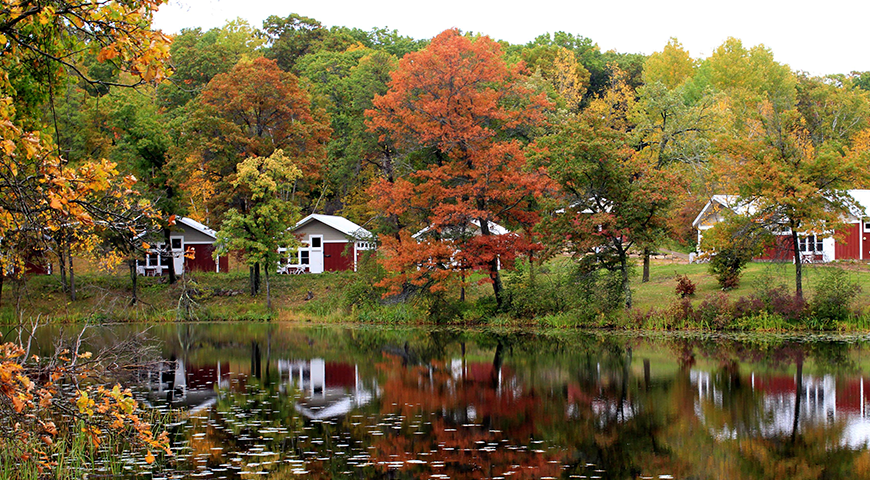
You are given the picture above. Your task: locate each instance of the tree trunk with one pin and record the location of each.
(168, 250)
(462, 287)
(268, 289)
(251, 285)
(134, 279)
(531, 269)
(798, 274)
(72, 276)
(645, 277)
(497, 287)
(254, 279)
(626, 287)
(61, 265)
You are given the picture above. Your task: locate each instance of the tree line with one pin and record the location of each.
(110, 130)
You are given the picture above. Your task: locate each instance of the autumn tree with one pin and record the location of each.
(675, 123)
(614, 199)
(40, 192)
(791, 154)
(249, 112)
(463, 112)
(264, 227)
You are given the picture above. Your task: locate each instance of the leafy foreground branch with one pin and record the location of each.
(57, 418)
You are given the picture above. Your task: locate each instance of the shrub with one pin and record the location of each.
(834, 296)
(47, 430)
(685, 287)
(715, 312)
(727, 264)
(364, 291)
(771, 298)
(550, 293)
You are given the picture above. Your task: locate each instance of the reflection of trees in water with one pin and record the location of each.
(695, 410)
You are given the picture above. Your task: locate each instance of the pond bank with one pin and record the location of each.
(762, 301)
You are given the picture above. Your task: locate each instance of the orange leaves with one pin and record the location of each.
(453, 94)
(457, 102)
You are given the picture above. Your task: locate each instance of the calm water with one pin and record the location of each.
(287, 401)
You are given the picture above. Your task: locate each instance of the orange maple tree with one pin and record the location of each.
(249, 112)
(461, 109)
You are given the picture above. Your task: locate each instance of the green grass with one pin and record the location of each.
(347, 296)
(660, 290)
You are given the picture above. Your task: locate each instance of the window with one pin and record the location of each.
(304, 256)
(812, 243)
(176, 244)
(152, 259)
(867, 226)
(315, 242)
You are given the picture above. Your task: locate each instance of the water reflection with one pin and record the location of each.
(283, 401)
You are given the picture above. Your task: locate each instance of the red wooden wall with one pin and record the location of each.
(337, 257)
(202, 260)
(850, 246)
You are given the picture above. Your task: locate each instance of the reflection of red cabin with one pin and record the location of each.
(339, 375)
(206, 376)
(780, 385)
(852, 395)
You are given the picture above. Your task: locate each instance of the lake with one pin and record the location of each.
(271, 400)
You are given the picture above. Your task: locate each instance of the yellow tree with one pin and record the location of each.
(39, 45)
(793, 157)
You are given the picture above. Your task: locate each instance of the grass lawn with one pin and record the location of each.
(106, 297)
(661, 288)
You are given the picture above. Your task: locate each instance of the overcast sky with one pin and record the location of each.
(816, 37)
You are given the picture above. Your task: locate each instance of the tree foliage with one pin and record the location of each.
(259, 231)
(249, 112)
(463, 110)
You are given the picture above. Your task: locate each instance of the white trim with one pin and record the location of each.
(340, 224)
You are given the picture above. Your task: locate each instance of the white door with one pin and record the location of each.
(177, 244)
(316, 255)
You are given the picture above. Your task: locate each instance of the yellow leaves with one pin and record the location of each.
(107, 53)
(84, 403)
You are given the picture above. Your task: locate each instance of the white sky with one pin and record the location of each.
(811, 36)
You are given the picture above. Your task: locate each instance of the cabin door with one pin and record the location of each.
(316, 255)
(177, 249)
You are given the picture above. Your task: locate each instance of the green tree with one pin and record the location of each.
(613, 197)
(345, 84)
(259, 231)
